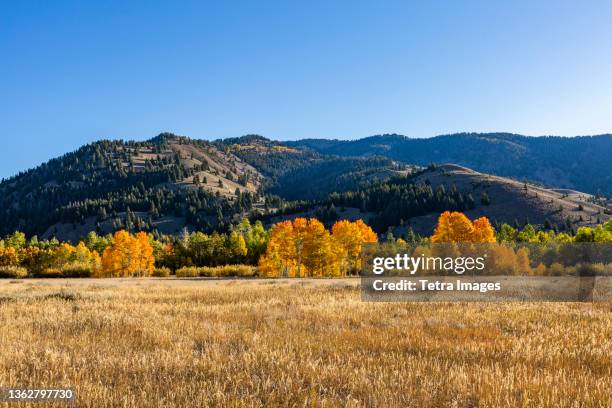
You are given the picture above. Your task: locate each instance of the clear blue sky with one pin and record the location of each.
(74, 72)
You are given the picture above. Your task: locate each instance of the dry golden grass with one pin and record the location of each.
(154, 343)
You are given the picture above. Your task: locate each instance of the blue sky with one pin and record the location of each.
(75, 72)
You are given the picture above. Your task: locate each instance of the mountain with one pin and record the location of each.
(129, 184)
(302, 174)
(582, 163)
(416, 200)
(506, 200)
(171, 182)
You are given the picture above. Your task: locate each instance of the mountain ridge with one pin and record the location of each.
(169, 182)
(581, 162)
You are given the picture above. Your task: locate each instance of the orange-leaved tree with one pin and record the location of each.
(455, 227)
(320, 257)
(9, 256)
(145, 261)
(483, 231)
(349, 237)
(298, 239)
(280, 258)
(128, 255)
(305, 248)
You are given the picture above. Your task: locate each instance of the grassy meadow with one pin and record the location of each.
(195, 343)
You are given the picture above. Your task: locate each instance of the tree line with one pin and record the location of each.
(298, 248)
(130, 254)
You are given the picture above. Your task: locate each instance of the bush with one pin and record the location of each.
(76, 271)
(229, 270)
(49, 273)
(187, 272)
(556, 269)
(162, 272)
(72, 270)
(590, 269)
(13, 272)
(217, 271)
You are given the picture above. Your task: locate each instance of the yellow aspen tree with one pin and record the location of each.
(300, 227)
(82, 254)
(453, 227)
(111, 265)
(306, 248)
(317, 256)
(461, 227)
(483, 231)
(442, 232)
(119, 258)
(279, 259)
(63, 254)
(9, 257)
(237, 245)
(347, 240)
(96, 264)
(145, 261)
(349, 237)
(367, 235)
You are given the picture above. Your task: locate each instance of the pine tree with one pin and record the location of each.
(484, 198)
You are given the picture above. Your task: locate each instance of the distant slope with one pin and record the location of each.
(512, 201)
(416, 202)
(302, 174)
(337, 174)
(583, 163)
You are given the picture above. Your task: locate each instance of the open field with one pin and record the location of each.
(193, 343)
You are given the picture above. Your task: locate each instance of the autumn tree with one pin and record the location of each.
(319, 256)
(483, 231)
(280, 256)
(349, 237)
(144, 259)
(299, 236)
(256, 238)
(305, 248)
(16, 240)
(454, 227)
(9, 256)
(128, 255)
(236, 246)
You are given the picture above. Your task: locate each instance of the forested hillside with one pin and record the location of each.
(582, 163)
(109, 185)
(171, 182)
(302, 174)
(413, 202)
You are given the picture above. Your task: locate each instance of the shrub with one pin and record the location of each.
(76, 271)
(13, 272)
(540, 270)
(162, 272)
(187, 272)
(71, 270)
(556, 269)
(217, 271)
(50, 273)
(229, 270)
(590, 269)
